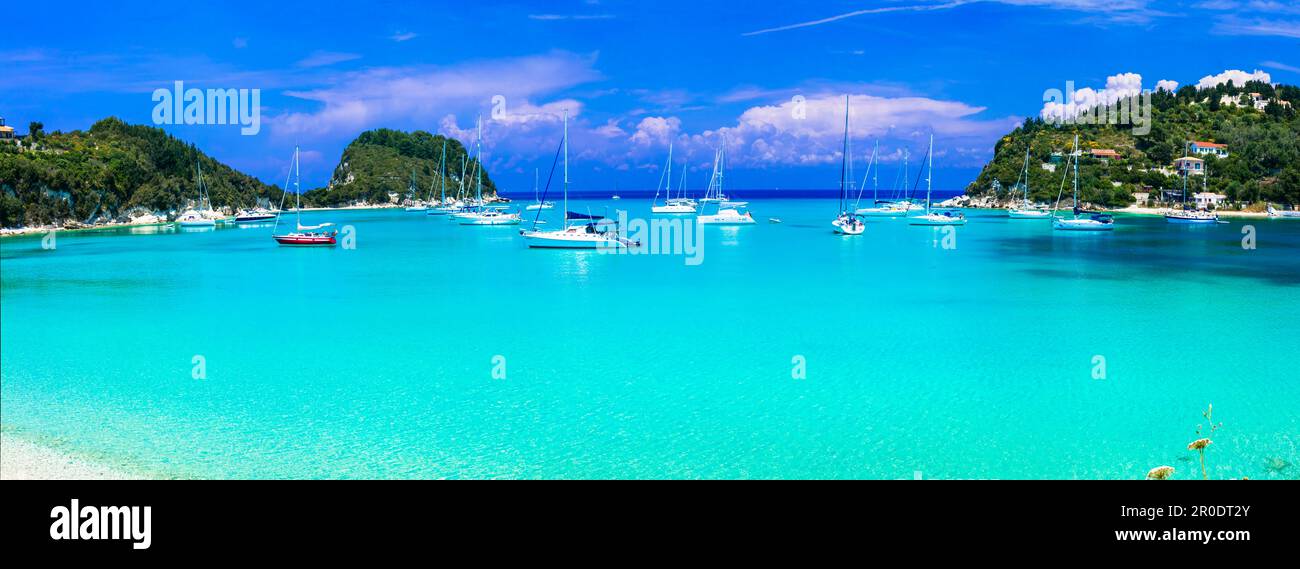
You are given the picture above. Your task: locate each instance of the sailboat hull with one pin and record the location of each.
(304, 240)
(1061, 224)
(1029, 214)
(936, 219)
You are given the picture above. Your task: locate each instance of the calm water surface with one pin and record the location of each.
(970, 362)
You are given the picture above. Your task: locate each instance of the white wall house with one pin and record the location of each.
(1206, 200)
(1189, 165)
(1200, 148)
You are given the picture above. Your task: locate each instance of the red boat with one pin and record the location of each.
(326, 238)
(306, 234)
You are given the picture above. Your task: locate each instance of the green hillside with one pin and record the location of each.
(1264, 147)
(381, 161)
(106, 172)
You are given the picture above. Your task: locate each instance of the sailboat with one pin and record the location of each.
(671, 205)
(846, 222)
(1274, 213)
(1187, 215)
(412, 189)
(537, 200)
(887, 208)
(203, 216)
(728, 213)
(1092, 222)
(481, 215)
(443, 207)
(587, 234)
(303, 234)
(1026, 209)
(931, 217)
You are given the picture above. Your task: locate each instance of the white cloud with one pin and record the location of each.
(403, 36)
(1167, 85)
(1134, 11)
(403, 96)
(656, 131)
(1280, 65)
(326, 58)
(1121, 86)
(558, 17)
(1237, 77)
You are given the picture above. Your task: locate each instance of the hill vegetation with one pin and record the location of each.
(1263, 163)
(383, 161)
(106, 172)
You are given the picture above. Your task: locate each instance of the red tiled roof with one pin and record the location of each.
(1104, 152)
(1210, 144)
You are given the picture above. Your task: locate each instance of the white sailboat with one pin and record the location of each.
(670, 206)
(443, 207)
(1026, 209)
(481, 215)
(728, 213)
(203, 216)
(1187, 215)
(537, 200)
(1274, 213)
(846, 222)
(931, 217)
(587, 234)
(1092, 222)
(894, 208)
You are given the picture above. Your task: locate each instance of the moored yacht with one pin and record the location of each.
(310, 235)
(935, 217)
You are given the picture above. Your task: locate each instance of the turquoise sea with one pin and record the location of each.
(977, 360)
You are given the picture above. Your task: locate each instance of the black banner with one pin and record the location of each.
(152, 519)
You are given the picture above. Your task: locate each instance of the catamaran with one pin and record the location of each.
(304, 234)
(537, 200)
(203, 216)
(728, 212)
(1092, 222)
(589, 233)
(846, 222)
(671, 205)
(1026, 209)
(931, 217)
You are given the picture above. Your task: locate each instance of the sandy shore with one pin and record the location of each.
(1222, 213)
(24, 460)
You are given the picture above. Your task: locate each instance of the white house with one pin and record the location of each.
(1209, 148)
(1206, 200)
(1189, 165)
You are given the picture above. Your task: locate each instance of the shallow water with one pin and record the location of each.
(975, 361)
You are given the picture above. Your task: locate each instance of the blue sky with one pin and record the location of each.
(632, 74)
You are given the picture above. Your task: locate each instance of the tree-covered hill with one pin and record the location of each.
(383, 161)
(108, 171)
(1263, 163)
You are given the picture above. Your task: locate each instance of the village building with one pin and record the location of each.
(1105, 154)
(1206, 200)
(6, 132)
(1190, 166)
(1209, 149)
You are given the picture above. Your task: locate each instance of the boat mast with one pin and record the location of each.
(1025, 171)
(478, 168)
(297, 188)
(442, 174)
(844, 154)
(1076, 176)
(565, 224)
(929, 176)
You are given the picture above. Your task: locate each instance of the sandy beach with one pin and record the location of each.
(25, 460)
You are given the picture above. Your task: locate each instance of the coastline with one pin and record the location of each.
(20, 231)
(21, 459)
